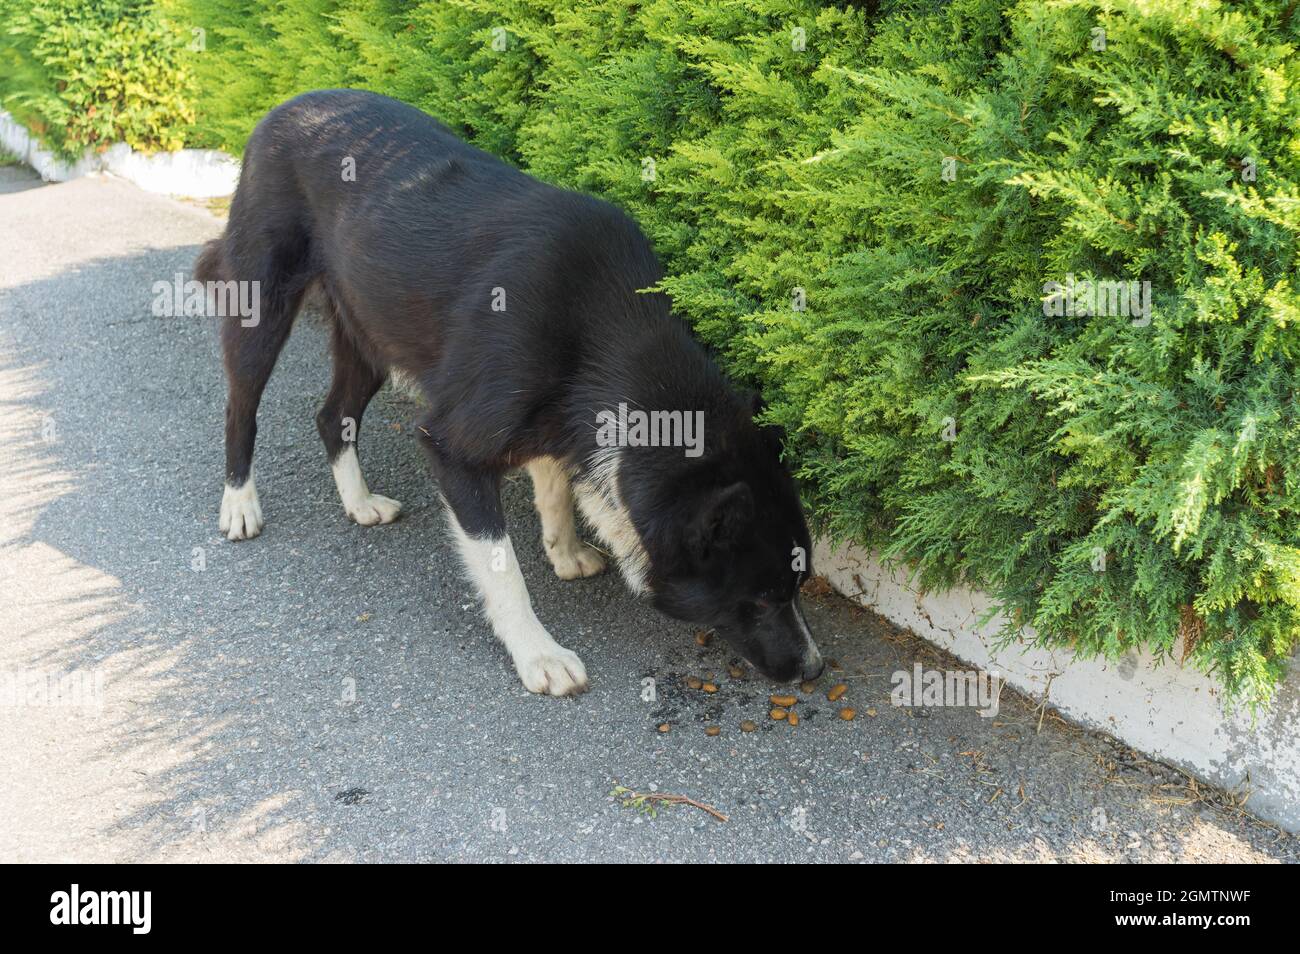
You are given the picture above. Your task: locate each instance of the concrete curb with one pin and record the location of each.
(1170, 713)
(197, 173)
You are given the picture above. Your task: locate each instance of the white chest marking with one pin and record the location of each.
(602, 506)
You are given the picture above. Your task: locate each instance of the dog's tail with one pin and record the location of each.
(211, 263)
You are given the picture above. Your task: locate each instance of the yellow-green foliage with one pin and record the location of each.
(83, 74)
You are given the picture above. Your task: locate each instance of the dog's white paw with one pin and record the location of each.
(374, 509)
(360, 504)
(576, 561)
(241, 512)
(552, 671)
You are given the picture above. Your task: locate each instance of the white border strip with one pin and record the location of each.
(198, 173)
(1166, 711)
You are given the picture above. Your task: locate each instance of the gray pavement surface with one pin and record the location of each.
(328, 692)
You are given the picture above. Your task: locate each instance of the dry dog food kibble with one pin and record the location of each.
(695, 682)
(785, 702)
(792, 718)
(703, 637)
(778, 714)
(847, 714)
(807, 686)
(713, 730)
(748, 726)
(709, 687)
(837, 690)
(664, 727)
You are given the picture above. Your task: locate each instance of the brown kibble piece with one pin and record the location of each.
(807, 686)
(847, 714)
(703, 637)
(748, 726)
(713, 730)
(793, 718)
(785, 702)
(778, 714)
(695, 682)
(709, 687)
(664, 727)
(837, 690)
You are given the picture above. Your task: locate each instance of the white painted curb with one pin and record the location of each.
(1170, 713)
(198, 173)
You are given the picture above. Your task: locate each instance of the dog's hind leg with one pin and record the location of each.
(339, 421)
(250, 350)
(474, 503)
(553, 498)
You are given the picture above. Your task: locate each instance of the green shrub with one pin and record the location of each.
(253, 55)
(84, 74)
(923, 171)
(436, 55)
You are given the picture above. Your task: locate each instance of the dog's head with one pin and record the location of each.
(731, 551)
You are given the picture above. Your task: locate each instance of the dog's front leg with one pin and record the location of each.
(553, 497)
(474, 509)
(542, 663)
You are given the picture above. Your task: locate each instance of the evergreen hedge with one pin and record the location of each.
(869, 210)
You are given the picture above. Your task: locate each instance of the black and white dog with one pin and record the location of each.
(514, 307)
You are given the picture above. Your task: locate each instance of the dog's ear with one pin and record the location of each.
(720, 520)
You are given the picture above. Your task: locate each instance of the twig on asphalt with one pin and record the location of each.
(630, 797)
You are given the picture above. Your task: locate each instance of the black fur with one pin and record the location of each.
(408, 257)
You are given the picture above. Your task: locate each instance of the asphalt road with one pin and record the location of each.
(328, 692)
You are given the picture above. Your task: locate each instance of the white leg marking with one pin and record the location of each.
(362, 506)
(570, 556)
(241, 511)
(543, 664)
